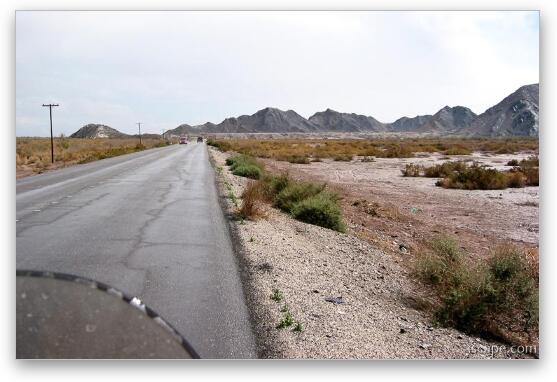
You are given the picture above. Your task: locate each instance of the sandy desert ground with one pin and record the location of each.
(388, 209)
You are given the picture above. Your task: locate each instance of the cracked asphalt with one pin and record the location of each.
(149, 224)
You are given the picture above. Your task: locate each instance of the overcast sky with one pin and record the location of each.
(168, 68)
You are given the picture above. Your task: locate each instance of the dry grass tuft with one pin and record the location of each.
(253, 200)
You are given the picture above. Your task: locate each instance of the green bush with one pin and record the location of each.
(506, 264)
(474, 178)
(295, 192)
(321, 209)
(446, 248)
(240, 160)
(444, 169)
(248, 171)
(431, 269)
(305, 201)
(278, 183)
(245, 165)
(472, 294)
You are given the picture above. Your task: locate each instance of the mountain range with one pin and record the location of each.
(516, 115)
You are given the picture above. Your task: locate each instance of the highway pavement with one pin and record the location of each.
(149, 224)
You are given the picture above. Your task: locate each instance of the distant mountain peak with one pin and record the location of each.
(516, 115)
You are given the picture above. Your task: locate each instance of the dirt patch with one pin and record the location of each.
(389, 210)
(352, 299)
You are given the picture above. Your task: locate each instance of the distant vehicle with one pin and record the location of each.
(199, 139)
(183, 140)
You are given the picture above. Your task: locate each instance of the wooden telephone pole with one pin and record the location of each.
(50, 106)
(139, 124)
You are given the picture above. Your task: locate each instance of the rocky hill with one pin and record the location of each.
(330, 120)
(447, 120)
(406, 124)
(517, 114)
(94, 130)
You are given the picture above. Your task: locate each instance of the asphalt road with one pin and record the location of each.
(149, 224)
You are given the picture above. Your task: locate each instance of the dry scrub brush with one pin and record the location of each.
(307, 150)
(34, 153)
(495, 296)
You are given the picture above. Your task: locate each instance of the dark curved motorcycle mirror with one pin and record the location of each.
(65, 316)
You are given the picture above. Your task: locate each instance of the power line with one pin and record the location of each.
(50, 106)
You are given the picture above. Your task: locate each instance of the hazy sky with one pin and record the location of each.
(168, 68)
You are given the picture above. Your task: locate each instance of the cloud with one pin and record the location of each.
(167, 68)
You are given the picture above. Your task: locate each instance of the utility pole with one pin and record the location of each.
(50, 106)
(139, 124)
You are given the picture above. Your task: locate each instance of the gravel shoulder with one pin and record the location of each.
(373, 313)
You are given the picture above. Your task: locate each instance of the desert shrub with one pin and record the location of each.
(245, 165)
(343, 158)
(431, 269)
(111, 152)
(502, 287)
(513, 162)
(298, 159)
(458, 150)
(474, 178)
(532, 161)
(367, 159)
(163, 143)
(278, 183)
(444, 169)
(306, 201)
(515, 179)
(532, 175)
(397, 150)
(63, 142)
(220, 144)
(295, 192)
(441, 264)
(506, 263)
(412, 169)
(248, 171)
(240, 160)
(446, 248)
(529, 167)
(321, 209)
(253, 197)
